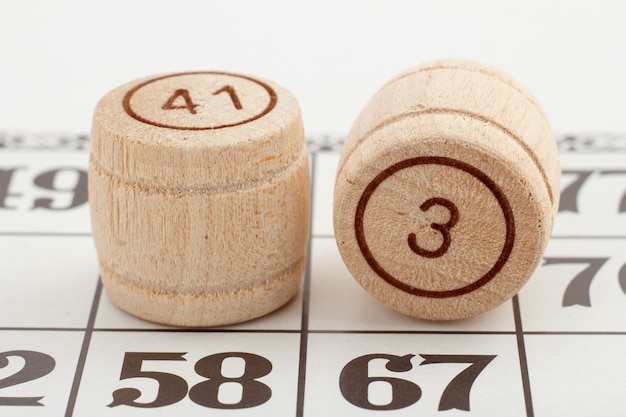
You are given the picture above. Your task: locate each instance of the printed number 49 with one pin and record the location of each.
(354, 381)
(173, 388)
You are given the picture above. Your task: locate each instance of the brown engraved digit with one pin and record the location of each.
(233, 95)
(443, 228)
(189, 104)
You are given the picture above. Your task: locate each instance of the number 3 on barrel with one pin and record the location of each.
(443, 228)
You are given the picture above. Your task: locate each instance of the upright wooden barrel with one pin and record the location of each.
(199, 195)
(447, 190)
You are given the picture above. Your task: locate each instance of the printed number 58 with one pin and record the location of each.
(173, 388)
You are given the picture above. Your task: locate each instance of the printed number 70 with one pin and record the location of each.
(577, 291)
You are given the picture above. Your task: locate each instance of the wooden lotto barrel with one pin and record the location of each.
(446, 191)
(199, 195)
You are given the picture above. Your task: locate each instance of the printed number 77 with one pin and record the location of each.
(569, 195)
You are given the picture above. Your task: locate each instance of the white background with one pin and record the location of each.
(57, 58)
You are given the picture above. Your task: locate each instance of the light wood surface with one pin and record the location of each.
(199, 195)
(447, 190)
